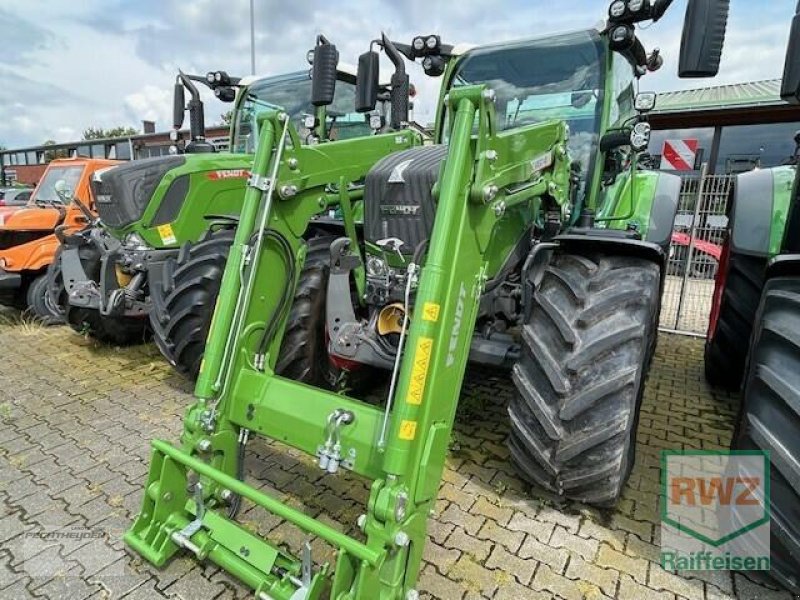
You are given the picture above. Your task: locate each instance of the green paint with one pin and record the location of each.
(783, 187)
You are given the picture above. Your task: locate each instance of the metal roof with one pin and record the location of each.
(741, 95)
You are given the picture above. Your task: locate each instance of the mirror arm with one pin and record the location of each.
(400, 83)
(660, 8)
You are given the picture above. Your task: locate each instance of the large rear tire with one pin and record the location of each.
(726, 347)
(587, 345)
(183, 301)
(770, 419)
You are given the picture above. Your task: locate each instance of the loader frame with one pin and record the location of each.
(235, 394)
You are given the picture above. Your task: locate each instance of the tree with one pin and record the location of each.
(98, 133)
(51, 154)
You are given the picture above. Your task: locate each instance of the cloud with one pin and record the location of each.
(22, 39)
(151, 103)
(68, 66)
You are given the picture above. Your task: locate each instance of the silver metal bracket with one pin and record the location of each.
(183, 537)
(260, 182)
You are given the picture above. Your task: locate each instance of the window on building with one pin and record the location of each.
(84, 151)
(746, 147)
(704, 136)
(98, 151)
(123, 151)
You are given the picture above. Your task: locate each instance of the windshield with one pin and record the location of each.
(292, 93)
(553, 78)
(46, 190)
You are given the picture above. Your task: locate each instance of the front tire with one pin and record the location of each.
(770, 419)
(183, 301)
(587, 345)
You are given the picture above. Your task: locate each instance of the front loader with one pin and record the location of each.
(525, 236)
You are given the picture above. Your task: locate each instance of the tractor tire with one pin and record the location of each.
(770, 419)
(304, 352)
(115, 331)
(587, 345)
(726, 348)
(39, 306)
(183, 301)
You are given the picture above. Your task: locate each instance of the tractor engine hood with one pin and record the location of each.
(123, 193)
(31, 218)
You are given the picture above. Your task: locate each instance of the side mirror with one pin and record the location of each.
(323, 73)
(703, 38)
(790, 90)
(62, 191)
(178, 106)
(645, 102)
(367, 82)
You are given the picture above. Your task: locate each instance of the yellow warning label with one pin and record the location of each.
(408, 430)
(166, 234)
(419, 372)
(430, 312)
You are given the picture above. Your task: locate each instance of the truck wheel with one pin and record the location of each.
(39, 305)
(56, 295)
(183, 302)
(770, 419)
(121, 331)
(729, 337)
(586, 349)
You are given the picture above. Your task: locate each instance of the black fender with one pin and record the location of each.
(613, 241)
(784, 265)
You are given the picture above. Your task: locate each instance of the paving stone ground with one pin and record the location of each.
(75, 424)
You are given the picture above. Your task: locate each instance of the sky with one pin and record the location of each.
(66, 66)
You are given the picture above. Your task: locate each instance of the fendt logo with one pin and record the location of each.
(408, 210)
(715, 510)
(451, 351)
(229, 174)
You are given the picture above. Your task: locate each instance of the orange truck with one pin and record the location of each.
(28, 240)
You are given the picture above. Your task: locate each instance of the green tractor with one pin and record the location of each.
(755, 331)
(526, 236)
(109, 275)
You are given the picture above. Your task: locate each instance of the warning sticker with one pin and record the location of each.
(166, 234)
(419, 372)
(408, 430)
(430, 312)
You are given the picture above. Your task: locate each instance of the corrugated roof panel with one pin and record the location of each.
(756, 93)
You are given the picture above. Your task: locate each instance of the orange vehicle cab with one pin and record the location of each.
(28, 241)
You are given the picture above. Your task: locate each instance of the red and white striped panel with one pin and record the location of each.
(679, 155)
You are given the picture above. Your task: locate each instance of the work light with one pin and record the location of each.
(617, 9)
